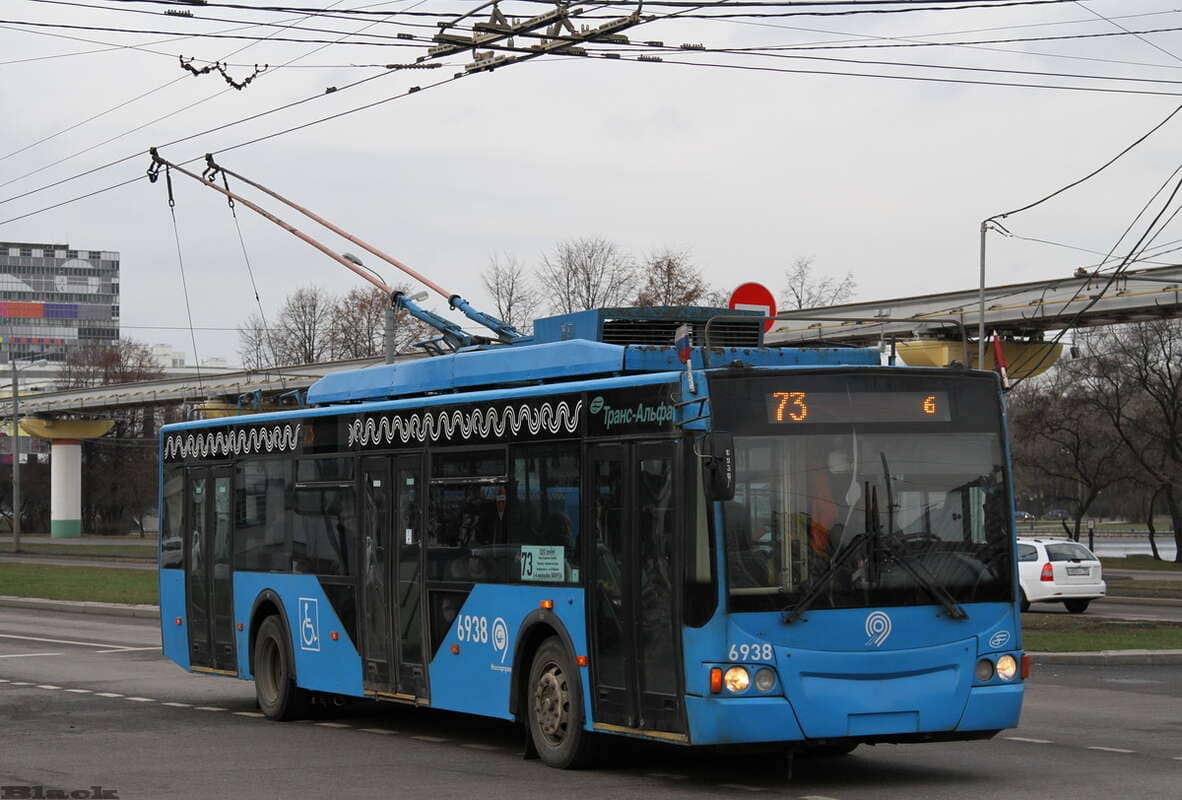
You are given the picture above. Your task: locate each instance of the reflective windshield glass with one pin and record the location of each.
(879, 512)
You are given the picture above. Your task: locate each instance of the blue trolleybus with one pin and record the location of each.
(790, 548)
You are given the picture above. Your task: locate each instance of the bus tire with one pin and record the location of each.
(274, 674)
(555, 709)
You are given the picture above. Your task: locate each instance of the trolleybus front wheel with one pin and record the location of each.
(556, 710)
(274, 674)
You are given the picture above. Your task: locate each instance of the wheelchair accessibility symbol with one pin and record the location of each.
(309, 623)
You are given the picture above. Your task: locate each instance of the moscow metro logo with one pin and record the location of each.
(878, 628)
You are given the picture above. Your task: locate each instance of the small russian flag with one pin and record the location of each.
(681, 340)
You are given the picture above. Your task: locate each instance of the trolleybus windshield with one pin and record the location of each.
(907, 473)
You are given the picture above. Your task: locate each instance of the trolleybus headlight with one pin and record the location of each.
(984, 670)
(736, 680)
(1007, 668)
(765, 680)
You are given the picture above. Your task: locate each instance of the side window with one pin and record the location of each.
(466, 517)
(1027, 552)
(323, 529)
(260, 525)
(544, 505)
(172, 527)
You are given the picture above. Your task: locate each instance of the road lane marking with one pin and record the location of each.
(140, 699)
(63, 641)
(1111, 749)
(1178, 758)
(741, 787)
(208, 708)
(127, 649)
(432, 739)
(27, 655)
(5, 680)
(382, 731)
(47, 686)
(236, 713)
(79, 691)
(1030, 741)
(178, 705)
(478, 746)
(108, 694)
(21, 683)
(332, 725)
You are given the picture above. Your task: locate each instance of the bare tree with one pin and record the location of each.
(809, 289)
(671, 279)
(301, 334)
(126, 361)
(1135, 376)
(1059, 438)
(513, 295)
(254, 344)
(357, 323)
(586, 273)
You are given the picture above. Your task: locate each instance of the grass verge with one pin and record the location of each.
(112, 551)
(104, 585)
(1141, 563)
(1060, 633)
(1139, 588)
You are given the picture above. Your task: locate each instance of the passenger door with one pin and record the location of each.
(634, 521)
(209, 570)
(392, 570)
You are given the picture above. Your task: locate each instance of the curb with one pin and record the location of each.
(1141, 601)
(1111, 658)
(82, 607)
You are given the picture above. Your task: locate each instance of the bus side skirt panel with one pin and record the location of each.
(322, 664)
(174, 638)
(472, 671)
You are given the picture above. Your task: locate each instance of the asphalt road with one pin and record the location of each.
(1127, 611)
(88, 701)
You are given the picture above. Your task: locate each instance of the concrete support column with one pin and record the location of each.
(65, 489)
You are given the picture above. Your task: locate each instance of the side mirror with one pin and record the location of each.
(718, 465)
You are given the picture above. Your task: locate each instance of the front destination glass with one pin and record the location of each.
(906, 472)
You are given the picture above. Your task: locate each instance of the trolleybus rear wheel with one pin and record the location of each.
(556, 710)
(274, 674)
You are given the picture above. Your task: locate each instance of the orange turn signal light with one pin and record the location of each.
(455, 649)
(240, 626)
(715, 680)
(1027, 666)
(546, 604)
(581, 660)
(334, 635)
(178, 620)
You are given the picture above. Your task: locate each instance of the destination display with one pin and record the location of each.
(790, 407)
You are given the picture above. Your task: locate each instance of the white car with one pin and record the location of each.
(1059, 571)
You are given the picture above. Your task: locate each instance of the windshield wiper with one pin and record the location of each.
(918, 572)
(790, 615)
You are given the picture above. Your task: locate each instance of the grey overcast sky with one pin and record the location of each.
(745, 169)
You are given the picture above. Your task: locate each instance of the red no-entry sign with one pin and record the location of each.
(754, 297)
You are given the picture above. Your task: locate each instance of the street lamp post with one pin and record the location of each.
(16, 458)
(16, 450)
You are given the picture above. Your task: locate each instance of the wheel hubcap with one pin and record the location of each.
(552, 703)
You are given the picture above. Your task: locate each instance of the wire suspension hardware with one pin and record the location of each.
(206, 180)
(180, 258)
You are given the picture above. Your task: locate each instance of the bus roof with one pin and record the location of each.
(554, 362)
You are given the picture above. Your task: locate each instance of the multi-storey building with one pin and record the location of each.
(55, 299)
